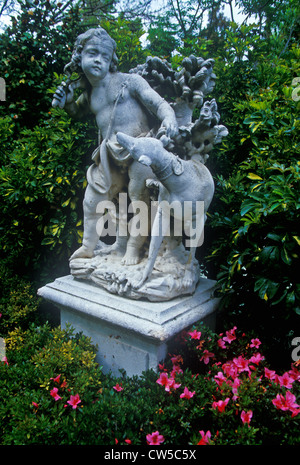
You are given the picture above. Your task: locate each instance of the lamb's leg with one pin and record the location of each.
(138, 192)
(159, 228)
(189, 277)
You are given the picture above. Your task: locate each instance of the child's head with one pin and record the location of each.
(100, 35)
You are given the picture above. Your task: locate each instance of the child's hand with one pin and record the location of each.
(171, 127)
(63, 95)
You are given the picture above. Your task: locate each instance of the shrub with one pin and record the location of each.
(41, 361)
(42, 177)
(235, 395)
(254, 252)
(18, 303)
(217, 389)
(37, 41)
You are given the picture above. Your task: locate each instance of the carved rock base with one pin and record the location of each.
(166, 282)
(133, 335)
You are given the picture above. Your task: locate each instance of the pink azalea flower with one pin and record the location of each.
(220, 378)
(74, 401)
(221, 344)
(294, 373)
(128, 441)
(205, 437)
(246, 416)
(241, 363)
(4, 360)
(285, 403)
(206, 356)
(255, 343)
(161, 367)
(285, 380)
(235, 385)
(163, 379)
(230, 335)
(117, 387)
(187, 394)
(167, 382)
(195, 334)
(176, 369)
(220, 405)
(256, 358)
(177, 359)
(54, 394)
(56, 380)
(270, 374)
(35, 404)
(295, 412)
(230, 369)
(154, 439)
(172, 384)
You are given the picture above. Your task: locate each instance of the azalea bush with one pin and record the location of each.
(217, 389)
(237, 397)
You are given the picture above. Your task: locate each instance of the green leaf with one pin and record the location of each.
(284, 256)
(254, 177)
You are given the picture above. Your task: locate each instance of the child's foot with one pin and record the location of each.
(82, 252)
(188, 279)
(131, 257)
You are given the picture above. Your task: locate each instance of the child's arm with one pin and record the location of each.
(155, 104)
(64, 98)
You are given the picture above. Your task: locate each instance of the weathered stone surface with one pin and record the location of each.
(131, 334)
(151, 104)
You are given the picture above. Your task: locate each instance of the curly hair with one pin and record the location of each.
(82, 39)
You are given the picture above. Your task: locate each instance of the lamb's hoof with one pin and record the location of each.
(137, 283)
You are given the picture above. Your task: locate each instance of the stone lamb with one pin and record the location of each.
(180, 182)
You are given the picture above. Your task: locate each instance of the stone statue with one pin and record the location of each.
(153, 106)
(185, 181)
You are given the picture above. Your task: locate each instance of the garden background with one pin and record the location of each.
(238, 385)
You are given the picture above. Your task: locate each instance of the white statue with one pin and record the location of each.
(179, 182)
(132, 105)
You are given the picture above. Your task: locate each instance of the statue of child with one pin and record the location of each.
(120, 102)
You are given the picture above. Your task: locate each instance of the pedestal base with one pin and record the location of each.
(131, 335)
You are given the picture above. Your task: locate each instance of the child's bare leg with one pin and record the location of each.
(138, 191)
(91, 218)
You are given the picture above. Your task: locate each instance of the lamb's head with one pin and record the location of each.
(146, 150)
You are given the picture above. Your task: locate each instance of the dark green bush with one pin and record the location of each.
(53, 393)
(18, 302)
(42, 178)
(254, 244)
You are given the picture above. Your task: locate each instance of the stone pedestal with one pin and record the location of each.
(132, 335)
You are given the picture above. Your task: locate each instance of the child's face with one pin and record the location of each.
(95, 60)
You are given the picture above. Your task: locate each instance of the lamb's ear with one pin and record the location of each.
(164, 140)
(145, 160)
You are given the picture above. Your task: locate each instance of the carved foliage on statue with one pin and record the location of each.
(185, 89)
